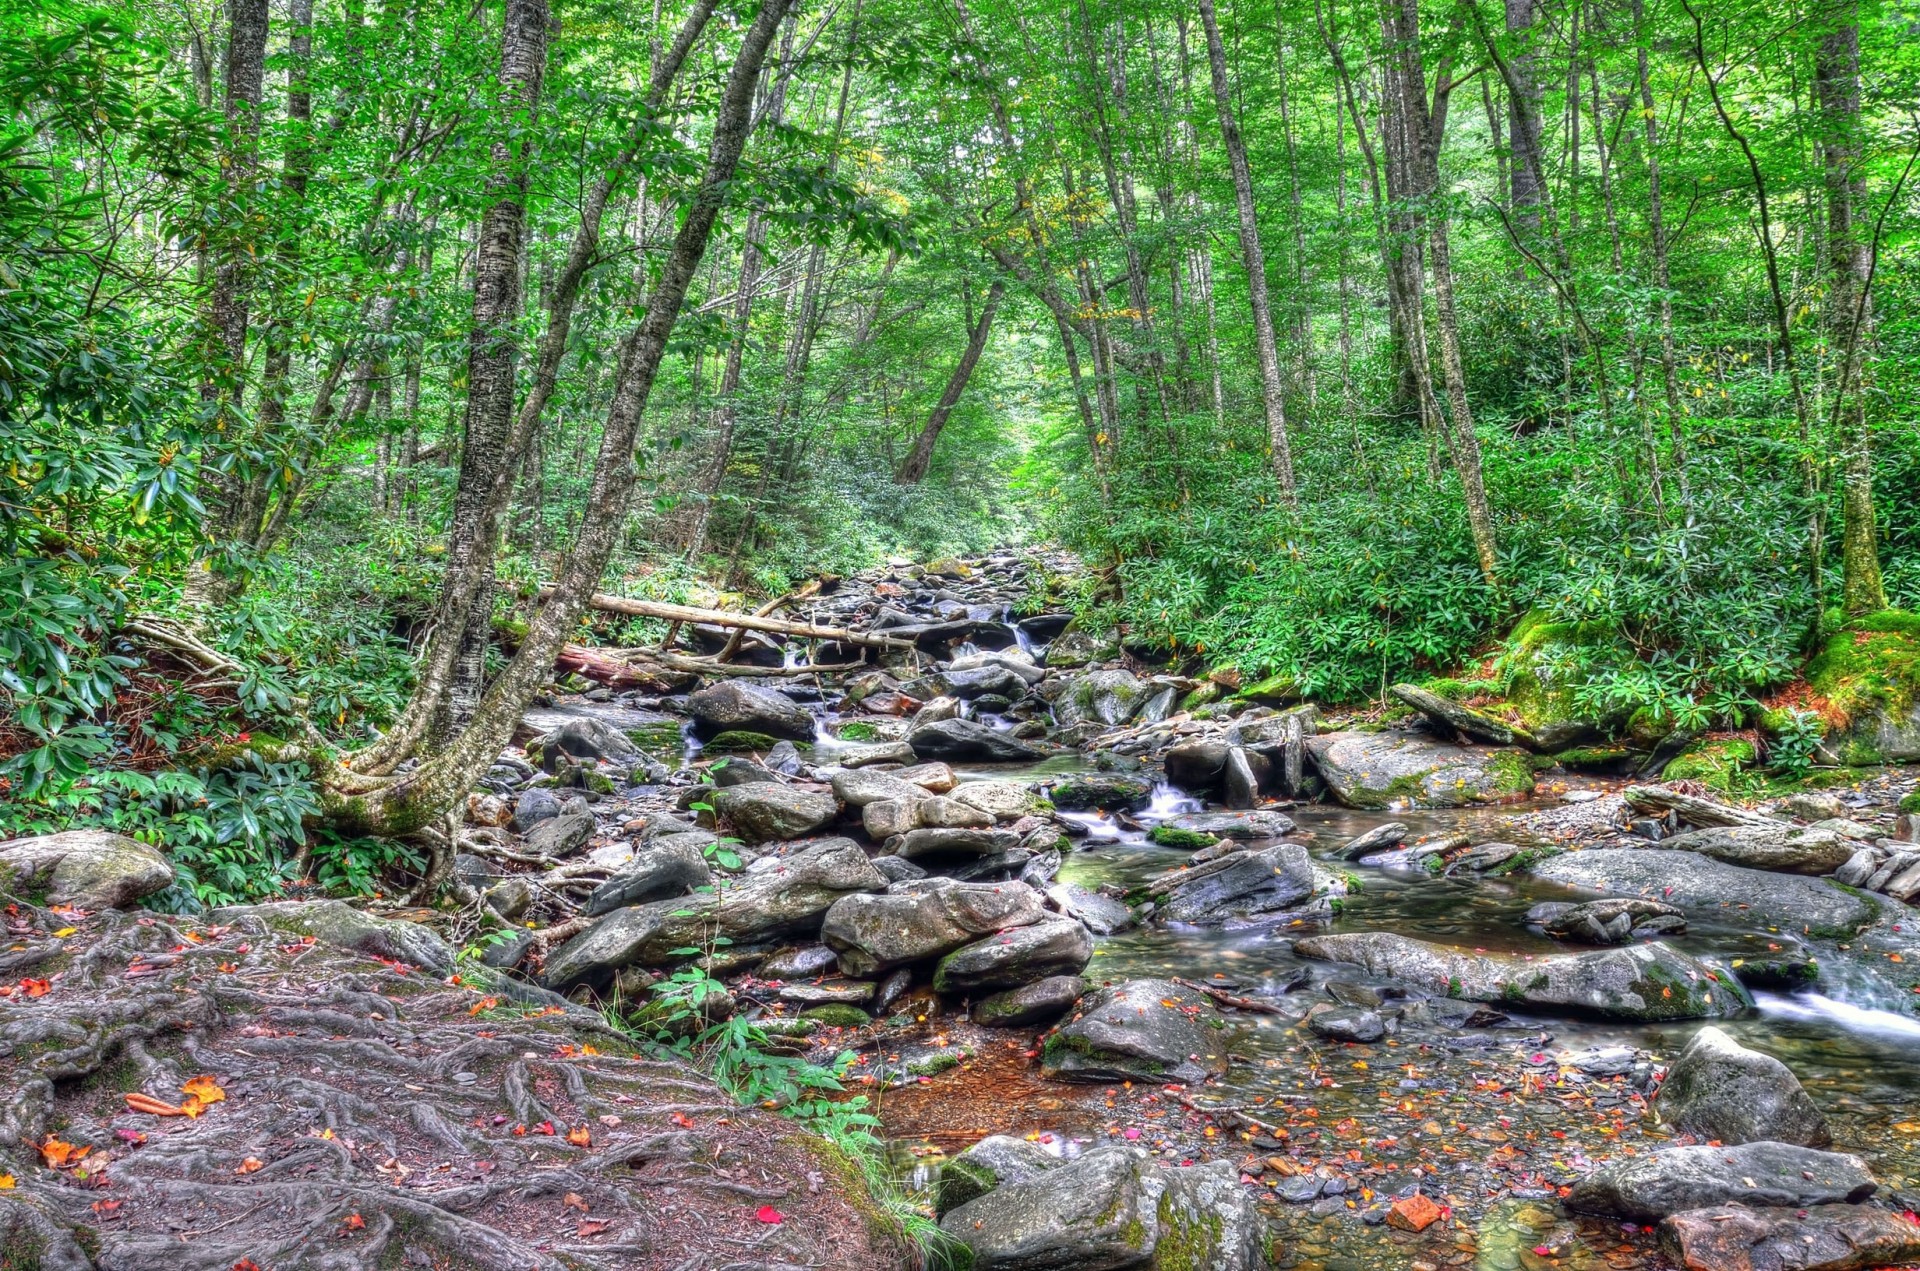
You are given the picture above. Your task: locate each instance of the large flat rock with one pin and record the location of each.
(1377, 770)
(1714, 889)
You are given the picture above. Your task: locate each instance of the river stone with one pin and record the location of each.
(1785, 849)
(1451, 717)
(1705, 887)
(934, 778)
(871, 753)
(735, 771)
(941, 812)
(1240, 784)
(1237, 885)
(730, 706)
(1246, 827)
(1346, 1023)
(336, 923)
(1718, 1089)
(1378, 839)
(561, 836)
(1651, 1186)
(88, 869)
(1006, 659)
(1100, 697)
(965, 739)
(1112, 1209)
(1099, 792)
(670, 866)
(1103, 915)
(1817, 1238)
(764, 813)
(1192, 765)
(535, 804)
(1641, 982)
(798, 962)
(920, 920)
(1001, 800)
(785, 899)
(1613, 921)
(1010, 959)
(950, 844)
(1140, 1030)
(967, 684)
(590, 739)
(1031, 1004)
(1374, 770)
(993, 1162)
(860, 788)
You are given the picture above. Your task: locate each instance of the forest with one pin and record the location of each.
(476, 476)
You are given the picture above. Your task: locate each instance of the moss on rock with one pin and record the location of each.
(1866, 679)
(739, 741)
(1714, 762)
(1545, 663)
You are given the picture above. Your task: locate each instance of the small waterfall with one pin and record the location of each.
(1864, 1021)
(1169, 801)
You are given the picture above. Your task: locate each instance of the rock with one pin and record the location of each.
(934, 778)
(948, 844)
(1099, 792)
(921, 920)
(1100, 697)
(1718, 1089)
(1140, 1030)
(764, 813)
(741, 741)
(886, 818)
(993, 1162)
(1785, 849)
(967, 684)
(670, 866)
(1005, 659)
(1009, 959)
(1245, 827)
(879, 752)
(1238, 885)
(88, 869)
(488, 810)
(1868, 672)
(560, 836)
(732, 706)
(1347, 1024)
(939, 812)
(534, 805)
(1193, 765)
(1651, 1186)
(860, 788)
(1078, 647)
(800, 962)
(1001, 800)
(1378, 839)
(336, 923)
(1413, 1213)
(1607, 921)
(1705, 887)
(1451, 717)
(1817, 1238)
(1036, 1003)
(590, 738)
(787, 898)
(1374, 770)
(1114, 1208)
(735, 771)
(1641, 982)
(1240, 782)
(1102, 915)
(964, 739)
(1814, 805)
(935, 711)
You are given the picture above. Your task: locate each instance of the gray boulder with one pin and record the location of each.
(952, 844)
(1102, 914)
(765, 813)
(672, 865)
(1010, 959)
(1378, 839)
(1001, 800)
(591, 738)
(1639, 982)
(535, 804)
(1451, 717)
(1346, 1023)
(1705, 888)
(1817, 1238)
(730, 706)
(1193, 765)
(1141, 1030)
(1099, 792)
(993, 1162)
(1651, 1186)
(1246, 827)
(1110, 1209)
(1613, 921)
(1374, 770)
(1030, 1004)
(1101, 697)
(788, 898)
(1784, 848)
(859, 788)
(560, 836)
(88, 869)
(1238, 885)
(336, 923)
(965, 739)
(920, 920)
(1718, 1089)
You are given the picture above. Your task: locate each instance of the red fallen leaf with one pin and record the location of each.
(134, 1137)
(354, 1222)
(35, 988)
(1543, 1251)
(592, 1227)
(545, 1127)
(768, 1214)
(246, 1264)
(104, 1206)
(682, 1120)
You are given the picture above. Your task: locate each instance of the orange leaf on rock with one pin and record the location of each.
(249, 1165)
(57, 1153)
(574, 1200)
(35, 988)
(1413, 1213)
(146, 1103)
(205, 1089)
(579, 1136)
(354, 1222)
(6, 1183)
(592, 1227)
(246, 1264)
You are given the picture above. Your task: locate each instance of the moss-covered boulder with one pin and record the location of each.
(1545, 664)
(1867, 682)
(1378, 770)
(740, 741)
(1712, 761)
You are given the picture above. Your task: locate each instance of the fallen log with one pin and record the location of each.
(721, 618)
(1694, 810)
(610, 669)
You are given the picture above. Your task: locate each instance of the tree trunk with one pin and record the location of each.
(914, 469)
(1662, 280)
(1849, 306)
(1271, 389)
(1528, 191)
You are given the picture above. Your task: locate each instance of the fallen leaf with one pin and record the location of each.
(35, 988)
(57, 1153)
(768, 1214)
(246, 1264)
(354, 1222)
(64, 932)
(6, 1183)
(204, 1089)
(579, 1136)
(249, 1165)
(146, 1103)
(592, 1227)
(574, 1200)
(484, 1004)
(682, 1120)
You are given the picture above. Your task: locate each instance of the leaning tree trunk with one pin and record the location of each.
(1850, 311)
(1271, 389)
(405, 803)
(914, 469)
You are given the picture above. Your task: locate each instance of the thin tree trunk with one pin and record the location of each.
(1272, 391)
(914, 469)
(1662, 279)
